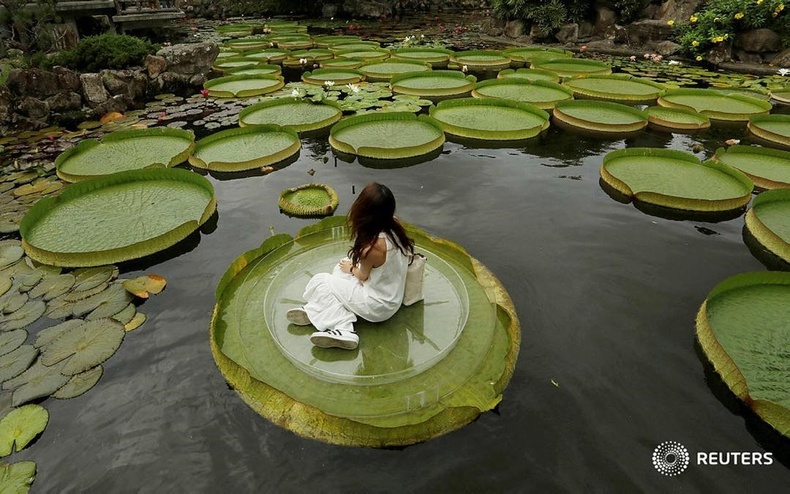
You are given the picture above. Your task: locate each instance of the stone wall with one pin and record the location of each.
(35, 98)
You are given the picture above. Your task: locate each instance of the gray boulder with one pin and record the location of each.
(758, 41)
(67, 101)
(782, 59)
(131, 83)
(514, 29)
(569, 33)
(190, 59)
(33, 108)
(93, 89)
(33, 82)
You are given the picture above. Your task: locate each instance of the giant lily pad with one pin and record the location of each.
(225, 65)
(297, 114)
(620, 88)
(768, 220)
(336, 76)
(19, 426)
(527, 54)
(600, 117)
(246, 148)
(355, 45)
(246, 44)
(715, 105)
(676, 119)
(430, 369)
(481, 59)
(15, 478)
(383, 71)
(125, 150)
(243, 86)
(529, 74)
(330, 40)
(308, 200)
(393, 135)
(434, 84)
(85, 346)
(270, 55)
(675, 179)
(116, 218)
(367, 55)
(542, 94)
(768, 168)
(772, 130)
(572, 67)
(490, 119)
(260, 69)
(744, 329)
(436, 57)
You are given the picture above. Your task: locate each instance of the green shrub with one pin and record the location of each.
(548, 16)
(106, 51)
(720, 21)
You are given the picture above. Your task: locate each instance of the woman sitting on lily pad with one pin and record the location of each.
(369, 283)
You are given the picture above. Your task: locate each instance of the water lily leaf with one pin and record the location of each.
(143, 285)
(716, 105)
(36, 382)
(298, 114)
(767, 220)
(77, 295)
(84, 346)
(15, 478)
(433, 84)
(28, 280)
(59, 307)
(16, 362)
(308, 200)
(242, 86)
(10, 254)
(5, 284)
(490, 119)
(394, 135)
(79, 383)
(771, 130)
(768, 168)
(126, 314)
(572, 67)
(20, 426)
(137, 321)
(600, 117)
(47, 335)
(246, 148)
(27, 314)
(53, 286)
(104, 304)
(11, 340)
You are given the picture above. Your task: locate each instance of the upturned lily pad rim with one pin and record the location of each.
(527, 85)
(759, 182)
(439, 92)
(673, 202)
(309, 421)
(514, 74)
(268, 88)
(224, 64)
(498, 60)
(383, 76)
(307, 127)
(85, 145)
(293, 209)
(271, 68)
(382, 153)
(490, 134)
(332, 39)
(600, 92)
(230, 135)
(517, 54)
(760, 231)
(381, 54)
(774, 414)
(715, 114)
(756, 127)
(132, 251)
(639, 119)
(583, 66)
(657, 117)
(346, 76)
(277, 55)
(434, 56)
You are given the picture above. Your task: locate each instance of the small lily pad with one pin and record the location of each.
(10, 254)
(84, 346)
(11, 340)
(126, 314)
(104, 304)
(135, 323)
(20, 426)
(308, 200)
(16, 362)
(48, 335)
(87, 278)
(79, 383)
(27, 314)
(12, 301)
(53, 286)
(17, 477)
(142, 286)
(38, 381)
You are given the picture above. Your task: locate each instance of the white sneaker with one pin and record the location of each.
(298, 316)
(335, 338)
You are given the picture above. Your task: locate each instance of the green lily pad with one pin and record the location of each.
(243, 86)
(354, 45)
(393, 135)
(10, 254)
(38, 381)
(224, 65)
(335, 39)
(11, 340)
(137, 321)
(436, 57)
(260, 69)
(20, 426)
(52, 286)
(490, 119)
(308, 200)
(529, 74)
(297, 114)
(367, 55)
(541, 94)
(16, 361)
(125, 150)
(481, 59)
(126, 314)
(620, 88)
(600, 117)
(335, 76)
(676, 119)
(270, 55)
(119, 217)
(572, 67)
(676, 179)
(744, 331)
(25, 315)
(16, 478)
(78, 384)
(528, 54)
(384, 70)
(12, 301)
(715, 105)
(768, 168)
(772, 130)
(767, 221)
(89, 278)
(434, 84)
(104, 304)
(246, 148)
(47, 335)
(85, 346)
(5, 284)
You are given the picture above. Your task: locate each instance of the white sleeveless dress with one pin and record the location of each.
(334, 300)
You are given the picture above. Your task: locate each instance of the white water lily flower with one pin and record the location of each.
(465, 68)
(783, 72)
(302, 61)
(296, 93)
(353, 87)
(329, 83)
(674, 62)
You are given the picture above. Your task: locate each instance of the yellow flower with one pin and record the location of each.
(699, 58)
(739, 15)
(695, 43)
(693, 18)
(759, 2)
(780, 7)
(671, 22)
(717, 39)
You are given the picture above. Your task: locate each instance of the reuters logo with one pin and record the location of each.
(670, 458)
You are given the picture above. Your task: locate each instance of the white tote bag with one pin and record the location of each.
(414, 279)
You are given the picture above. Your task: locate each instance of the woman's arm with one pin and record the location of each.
(372, 257)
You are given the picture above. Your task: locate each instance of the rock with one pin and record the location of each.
(586, 30)
(747, 57)
(190, 59)
(569, 33)
(117, 103)
(602, 45)
(492, 26)
(617, 33)
(93, 89)
(6, 105)
(667, 48)
(678, 10)
(33, 108)
(66, 35)
(170, 82)
(61, 102)
(758, 41)
(648, 33)
(514, 29)
(128, 82)
(721, 52)
(782, 59)
(605, 18)
(197, 80)
(367, 8)
(38, 82)
(154, 65)
(67, 79)
(538, 34)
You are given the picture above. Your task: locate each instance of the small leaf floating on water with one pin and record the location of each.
(135, 323)
(144, 285)
(20, 426)
(17, 477)
(555, 383)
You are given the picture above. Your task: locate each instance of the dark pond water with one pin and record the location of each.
(606, 296)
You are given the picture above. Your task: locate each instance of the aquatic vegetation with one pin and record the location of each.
(335, 75)
(434, 84)
(383, 71)
(481, 60)
(540, 93)
(437, 57)
(771, 130)
(525, 55)
(768, 168)
(243, 86)
(715, 105)
(620, 88)
(743, 330)
(246, 148)
(676, 119)
(298, 114)
(601, 118)
(390, 135)
(490, 119)
(529, 74)
(572, 67)
(308, 200)
(767, 221)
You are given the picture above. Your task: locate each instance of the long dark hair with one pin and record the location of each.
(372, 213)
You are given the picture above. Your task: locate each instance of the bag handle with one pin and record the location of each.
(416, 254)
